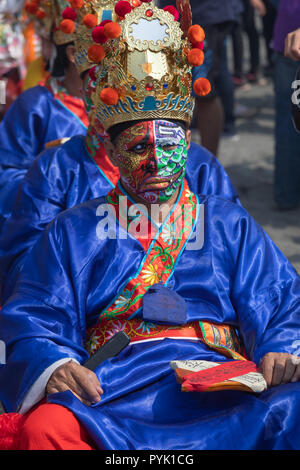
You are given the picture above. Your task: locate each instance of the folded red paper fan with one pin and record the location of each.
(206, 376)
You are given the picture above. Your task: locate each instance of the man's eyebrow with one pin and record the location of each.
(144, 140)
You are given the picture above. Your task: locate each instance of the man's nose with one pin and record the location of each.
(152, 163)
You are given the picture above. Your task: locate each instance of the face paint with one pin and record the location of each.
(152, 157)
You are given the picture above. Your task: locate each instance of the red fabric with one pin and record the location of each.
(10, 425)
(46, 427)
(52, 427)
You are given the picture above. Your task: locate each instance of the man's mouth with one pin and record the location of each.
(158, 182)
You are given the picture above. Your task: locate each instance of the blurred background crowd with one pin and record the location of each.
(246, 120)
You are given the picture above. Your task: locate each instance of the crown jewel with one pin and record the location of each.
(141, 58)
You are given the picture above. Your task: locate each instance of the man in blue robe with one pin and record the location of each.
(39, 117)
(34, 120)
(186, 276)
(88, 277)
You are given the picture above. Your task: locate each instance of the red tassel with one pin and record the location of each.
(10, 425)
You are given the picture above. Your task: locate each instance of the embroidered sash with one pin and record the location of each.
(163, 248)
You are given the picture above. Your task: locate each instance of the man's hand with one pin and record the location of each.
(292, 45)
(280, 368)
(82, 382)
(259, 6)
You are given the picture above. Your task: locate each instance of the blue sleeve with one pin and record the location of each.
(265, 289)
(35, 119)
(22, 134)
(10, 185)
(40, 198)
(40, 324)
(23, 129)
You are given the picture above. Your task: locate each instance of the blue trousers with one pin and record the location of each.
(287, 139)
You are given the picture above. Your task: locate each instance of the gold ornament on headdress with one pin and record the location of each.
(141, 56)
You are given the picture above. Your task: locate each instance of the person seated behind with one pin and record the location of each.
(102, 266)
(40, 116)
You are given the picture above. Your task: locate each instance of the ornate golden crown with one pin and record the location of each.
(47, 15)
(142, 58)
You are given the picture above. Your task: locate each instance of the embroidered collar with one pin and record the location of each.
(73, 104)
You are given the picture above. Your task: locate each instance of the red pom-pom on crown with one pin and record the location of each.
(109, 96)
(202, 87)
(69, 14)
(195, 57)
(98, 35)
(112, 30)
(199, 45)
(173, 11)
(104, 22)
(196, 34)
(122, 8)
(77, 4)
(41, 14)
(67, 26)
(96, 53)
(31, 7)
(90, 21)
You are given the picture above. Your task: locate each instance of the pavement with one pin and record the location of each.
(249, 161)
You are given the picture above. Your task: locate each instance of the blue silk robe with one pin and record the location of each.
(65, 176)
(35, 119)
(236, 277)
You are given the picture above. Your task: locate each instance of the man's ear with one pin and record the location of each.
(188, 136)
(70, 51)
(110, 150)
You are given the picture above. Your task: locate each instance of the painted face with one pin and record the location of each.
(151, 157)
